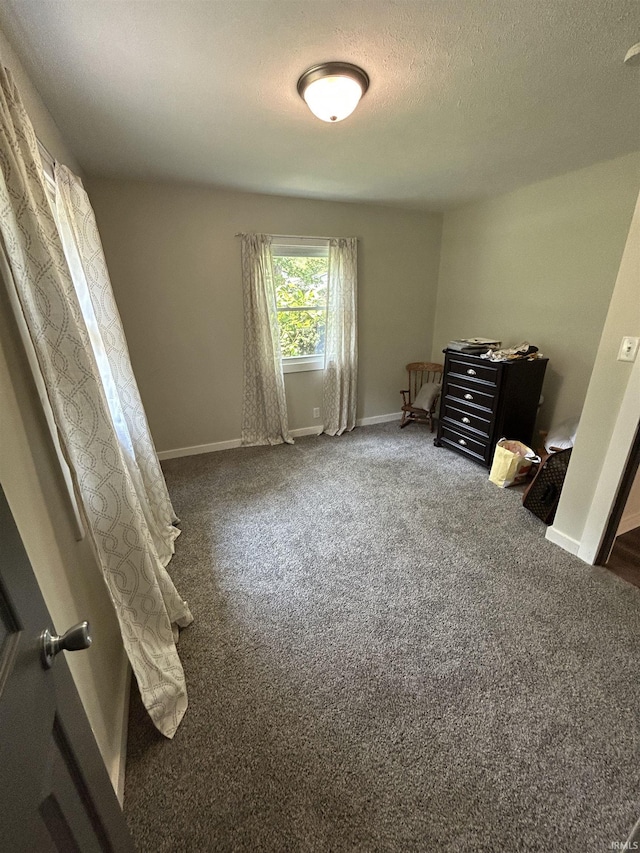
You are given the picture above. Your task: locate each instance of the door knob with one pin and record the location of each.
(73, 640)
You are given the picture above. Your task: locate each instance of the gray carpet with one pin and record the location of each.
(387, 655)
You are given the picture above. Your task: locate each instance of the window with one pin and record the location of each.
(300, 269)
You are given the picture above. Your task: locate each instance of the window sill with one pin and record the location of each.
(302, 363)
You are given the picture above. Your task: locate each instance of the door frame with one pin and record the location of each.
(626, 483)
(613, 470)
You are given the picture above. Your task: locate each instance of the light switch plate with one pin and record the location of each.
(628, 349)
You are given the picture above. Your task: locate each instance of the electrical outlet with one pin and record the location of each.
(628, 349)
(316, 413)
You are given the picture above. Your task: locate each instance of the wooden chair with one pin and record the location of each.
(419, 373)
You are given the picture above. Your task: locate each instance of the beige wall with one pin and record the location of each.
(598, 460)
(539, 264)
(175, 267)
(67, 573)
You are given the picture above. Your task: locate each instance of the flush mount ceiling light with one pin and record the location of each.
(332, 90)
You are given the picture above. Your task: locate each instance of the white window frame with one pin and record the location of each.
(301, 247)
(302, 363)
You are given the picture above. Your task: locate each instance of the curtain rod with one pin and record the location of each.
(292, 236)
(298, 236)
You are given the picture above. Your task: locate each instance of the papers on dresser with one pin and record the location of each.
(474, 345)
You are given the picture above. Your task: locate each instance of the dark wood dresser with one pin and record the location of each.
(484, 401)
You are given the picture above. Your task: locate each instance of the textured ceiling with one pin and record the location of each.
(468, 98)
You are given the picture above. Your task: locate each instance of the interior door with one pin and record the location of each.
(55, 792)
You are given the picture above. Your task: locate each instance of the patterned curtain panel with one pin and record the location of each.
(83, 251)
(264, 407)
(144, 597)
(341, 348)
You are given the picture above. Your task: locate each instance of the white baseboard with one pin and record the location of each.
(195, 449)
(312, 430)
(235, 442)
(379, 419)
(116, 763)
(628, 522)
(119, 771)
(567, 542)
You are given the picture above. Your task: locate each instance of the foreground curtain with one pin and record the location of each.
(341, 347)
(264, 406)
(145, 599)
(83, 251)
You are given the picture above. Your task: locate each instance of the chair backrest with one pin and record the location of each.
(421, 372)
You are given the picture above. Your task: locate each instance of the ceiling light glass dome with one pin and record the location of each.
(333, 90)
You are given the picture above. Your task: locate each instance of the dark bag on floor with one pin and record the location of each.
(542, 495)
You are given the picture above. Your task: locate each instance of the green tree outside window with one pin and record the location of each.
(301, 300)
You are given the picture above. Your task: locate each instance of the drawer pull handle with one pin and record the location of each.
(468, 396)
(471, 372)
(466, 421)
(462, 442)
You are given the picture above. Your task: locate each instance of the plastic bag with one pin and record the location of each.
(511, 463)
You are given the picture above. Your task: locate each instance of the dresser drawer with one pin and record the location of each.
(465, 417)
(485, 398)
(463, 443)
(473, 370)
